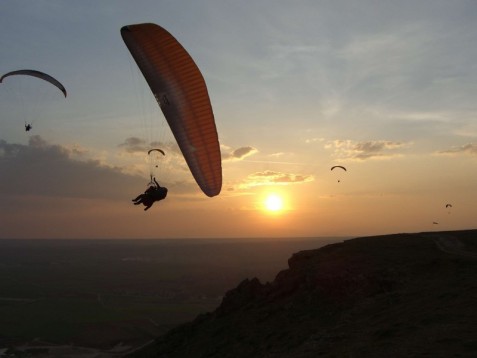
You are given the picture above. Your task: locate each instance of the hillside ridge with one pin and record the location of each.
(408, 294)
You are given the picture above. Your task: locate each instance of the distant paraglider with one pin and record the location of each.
(448, 206)
(340, 167)
(154, 156)
(37, 74)
(31, 99)
(155, 150)
(181, 92)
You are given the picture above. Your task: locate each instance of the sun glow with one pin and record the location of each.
(273, 202)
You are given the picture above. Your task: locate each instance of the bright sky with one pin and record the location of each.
(387, 89)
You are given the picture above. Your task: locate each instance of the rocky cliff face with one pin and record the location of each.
(397, 295)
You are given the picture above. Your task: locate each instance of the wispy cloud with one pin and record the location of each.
(470, 149)
(135, 145)
(239, 153)
(270, 177)
(379, 149)
(314, 140)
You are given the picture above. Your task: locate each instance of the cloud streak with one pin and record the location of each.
(135, 145)
(239, 153)
(470, 149)
(378, 149)
(270, 177)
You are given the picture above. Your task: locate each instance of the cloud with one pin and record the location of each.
(239, 153)
(470, 149)
(134, 145)
(314, 140)
(379, 149)
(44, 169)
(277, 155)
(270, 177)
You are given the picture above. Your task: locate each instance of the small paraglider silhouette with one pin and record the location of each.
(338, 166)
(153, 158)
(448, 206)
(155, 150)
(35, 74)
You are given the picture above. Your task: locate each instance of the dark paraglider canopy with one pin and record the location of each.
(37, 74)
(156, 150)
(340, 167)
(449, 208)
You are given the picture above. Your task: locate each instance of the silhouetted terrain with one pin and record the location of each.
(403, 295)
(59, 297)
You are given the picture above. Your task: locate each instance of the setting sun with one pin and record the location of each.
(273, 202)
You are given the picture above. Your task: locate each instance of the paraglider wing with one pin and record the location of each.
(156, 150)
(338, 166)
(37, 74)
(448, 206)
(179, 88)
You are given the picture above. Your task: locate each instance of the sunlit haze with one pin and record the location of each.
(385, 89)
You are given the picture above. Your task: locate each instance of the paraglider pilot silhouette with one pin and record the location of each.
(154, 193)
(28, 127)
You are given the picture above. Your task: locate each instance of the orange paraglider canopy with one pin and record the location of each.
(179, 88)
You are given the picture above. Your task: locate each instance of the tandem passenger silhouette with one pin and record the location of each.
(154, 193)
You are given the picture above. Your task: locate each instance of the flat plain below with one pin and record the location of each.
(105, 294)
